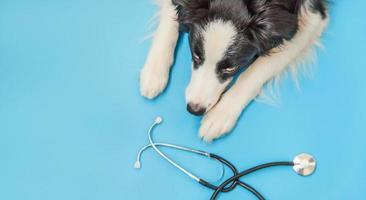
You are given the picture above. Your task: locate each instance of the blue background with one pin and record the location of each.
(72, 120)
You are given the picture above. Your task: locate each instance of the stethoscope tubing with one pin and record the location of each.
(202, 153)
(246, 172)
(183, 148)
(234, 183)
(203, 182)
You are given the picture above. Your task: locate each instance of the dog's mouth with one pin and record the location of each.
(197, 110)
(212, 105)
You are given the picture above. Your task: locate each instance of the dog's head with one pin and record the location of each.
(226, 36)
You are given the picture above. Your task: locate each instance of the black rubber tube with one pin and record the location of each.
(233, 183)
(244, 173)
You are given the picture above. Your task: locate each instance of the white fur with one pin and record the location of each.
(155, 74)
(204, 88)
(222, 118)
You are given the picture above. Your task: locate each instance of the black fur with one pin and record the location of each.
(261, 24)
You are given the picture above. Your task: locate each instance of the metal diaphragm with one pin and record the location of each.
(304, 164)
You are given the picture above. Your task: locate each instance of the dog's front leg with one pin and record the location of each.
(223, 116)
(155, 74)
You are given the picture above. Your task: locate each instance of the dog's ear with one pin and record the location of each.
(191, 11)
(271, 24)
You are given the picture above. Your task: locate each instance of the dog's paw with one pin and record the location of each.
(218, 121)
(153, 81)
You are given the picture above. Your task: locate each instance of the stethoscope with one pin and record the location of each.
(303, 164)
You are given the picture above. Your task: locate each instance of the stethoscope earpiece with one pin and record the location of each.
(137, 165)
(158, 120)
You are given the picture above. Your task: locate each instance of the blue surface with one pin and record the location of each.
(72, 120)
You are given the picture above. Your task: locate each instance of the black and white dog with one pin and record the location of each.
(263, 37)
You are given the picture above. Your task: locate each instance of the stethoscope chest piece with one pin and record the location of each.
(304, 164)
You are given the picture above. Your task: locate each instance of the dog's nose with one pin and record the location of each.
(196, 109)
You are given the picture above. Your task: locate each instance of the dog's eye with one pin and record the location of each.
(196, 58)
(229, 70)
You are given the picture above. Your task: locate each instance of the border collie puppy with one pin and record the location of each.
(257, 38)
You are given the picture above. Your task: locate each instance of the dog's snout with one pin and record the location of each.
(196, 109)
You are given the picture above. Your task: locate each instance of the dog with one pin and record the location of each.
(237, 46)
